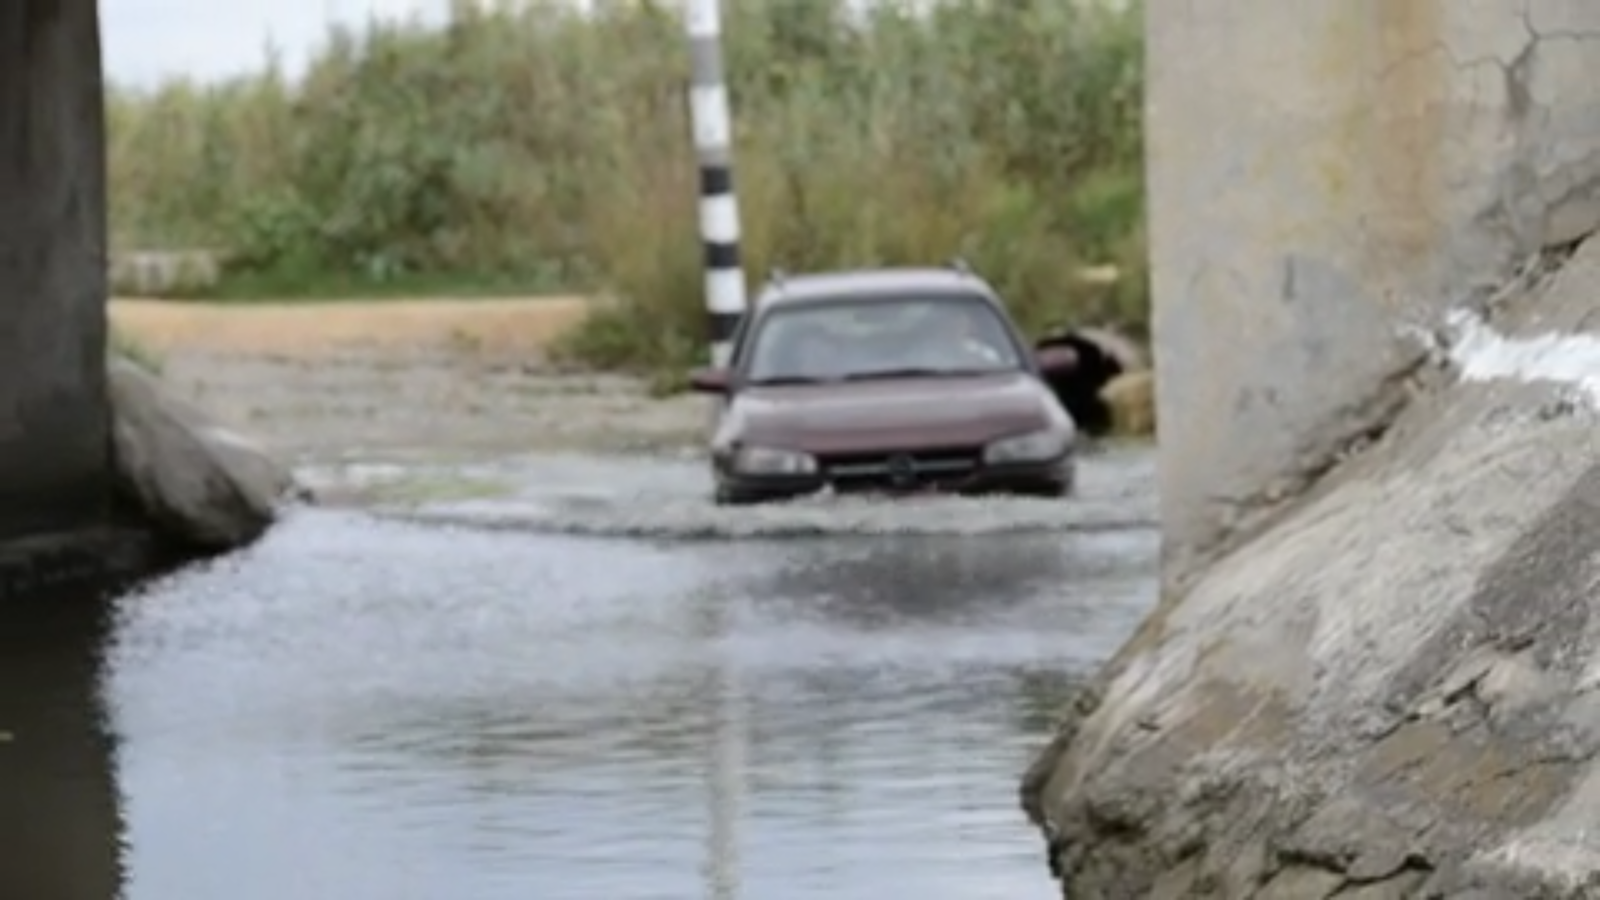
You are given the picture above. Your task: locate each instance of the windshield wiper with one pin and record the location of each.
(912, 372)
(780, 380)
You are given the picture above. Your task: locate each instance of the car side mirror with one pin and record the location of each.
(1056, 360)
(710, 380)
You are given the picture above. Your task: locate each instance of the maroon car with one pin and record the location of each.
(899, 380)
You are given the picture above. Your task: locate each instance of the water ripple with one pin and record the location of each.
(366, 708)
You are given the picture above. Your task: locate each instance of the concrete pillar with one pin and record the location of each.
(54, 444)
(1324, 175)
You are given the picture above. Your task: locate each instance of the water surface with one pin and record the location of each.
(362, 707)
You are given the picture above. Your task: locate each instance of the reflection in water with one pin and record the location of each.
(896, 580)
(357, 709)
(59, 829)
(726, 773)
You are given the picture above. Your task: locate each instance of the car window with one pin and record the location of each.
(858, 338)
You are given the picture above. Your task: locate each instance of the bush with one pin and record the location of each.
(531, 145)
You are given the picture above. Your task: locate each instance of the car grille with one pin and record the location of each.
(906, 470)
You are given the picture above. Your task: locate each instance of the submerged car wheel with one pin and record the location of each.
(725, 496)
(1037, 491)
(1053, 490)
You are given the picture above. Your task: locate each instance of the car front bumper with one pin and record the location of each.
(1051, 478)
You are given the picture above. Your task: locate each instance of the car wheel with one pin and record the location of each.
(1050, 490)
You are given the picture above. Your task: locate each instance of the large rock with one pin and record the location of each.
(201, 486)
(1395, 691)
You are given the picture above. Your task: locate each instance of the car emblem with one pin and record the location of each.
(902, 469)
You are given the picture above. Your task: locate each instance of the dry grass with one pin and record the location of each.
(529, 147)
(523, 326)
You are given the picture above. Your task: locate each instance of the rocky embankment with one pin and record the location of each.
(199, 487)
(1395, 691)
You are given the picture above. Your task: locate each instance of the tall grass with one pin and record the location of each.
(526, 144)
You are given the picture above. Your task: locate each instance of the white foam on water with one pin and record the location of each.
(671, 499)
(1481, 354)
(680, 517)
(356, 475)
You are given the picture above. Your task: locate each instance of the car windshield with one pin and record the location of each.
(877, 337)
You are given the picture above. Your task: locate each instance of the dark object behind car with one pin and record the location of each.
(1100, 356)
(899, 381)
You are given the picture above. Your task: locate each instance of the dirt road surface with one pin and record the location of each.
(401, 378)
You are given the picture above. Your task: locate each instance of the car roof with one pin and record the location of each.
(870, 284)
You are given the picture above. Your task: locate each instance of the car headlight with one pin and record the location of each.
(773, 461)
(1035, 446)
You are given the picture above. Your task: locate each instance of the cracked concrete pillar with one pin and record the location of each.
(1323, 174)
(54, 441)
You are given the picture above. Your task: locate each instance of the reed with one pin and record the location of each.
(529, 147)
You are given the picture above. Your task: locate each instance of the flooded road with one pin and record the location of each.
(557, 678)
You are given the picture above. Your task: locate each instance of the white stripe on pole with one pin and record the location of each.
(725, 291)
(703, 19)
(708, 107)
(719, 219)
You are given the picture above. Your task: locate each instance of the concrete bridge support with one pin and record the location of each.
(59, 818)
(1373, 671)
(1326, 177)
(55, 446)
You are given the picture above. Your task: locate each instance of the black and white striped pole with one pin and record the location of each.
(725, 306)
(719, 207)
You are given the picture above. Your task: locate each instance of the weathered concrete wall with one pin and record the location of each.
(1322, 173)
(1369, 227)
(54, 426)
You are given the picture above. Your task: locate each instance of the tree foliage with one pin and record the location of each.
(530, 143)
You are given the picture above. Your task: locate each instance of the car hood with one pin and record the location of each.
(889, 414)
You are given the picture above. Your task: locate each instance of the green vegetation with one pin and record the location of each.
(527, 148)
